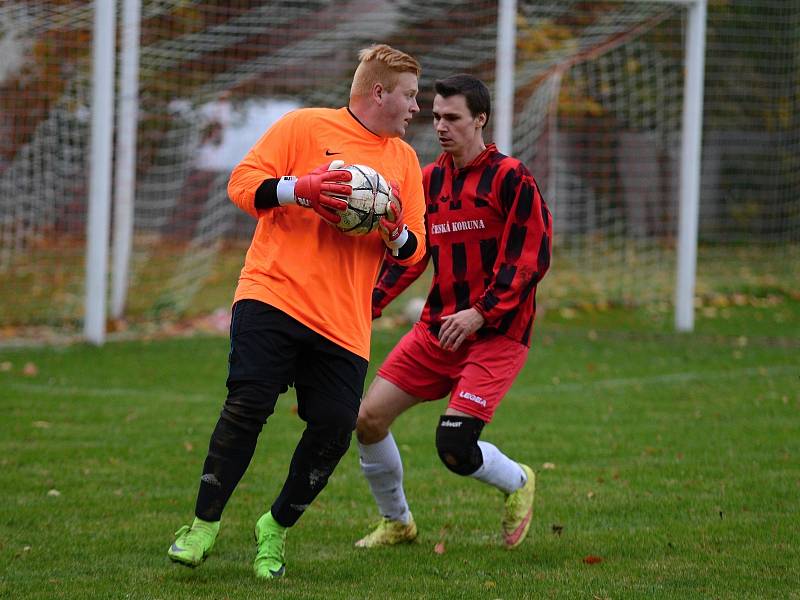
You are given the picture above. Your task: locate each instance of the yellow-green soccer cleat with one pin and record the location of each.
(270, 542)
(390, 532)
(193, 544)
(518, 511)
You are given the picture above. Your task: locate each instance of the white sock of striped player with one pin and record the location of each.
(498, 470)
(383, 468)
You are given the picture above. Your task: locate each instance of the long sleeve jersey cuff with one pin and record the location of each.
(267, 194)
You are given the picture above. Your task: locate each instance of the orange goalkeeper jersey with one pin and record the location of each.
(299, 263)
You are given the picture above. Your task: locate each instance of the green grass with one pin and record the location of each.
(674, 458)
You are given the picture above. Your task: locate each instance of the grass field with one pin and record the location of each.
(673, 459)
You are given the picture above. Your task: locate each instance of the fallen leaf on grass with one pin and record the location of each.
(439, 547)
(30, 370)
(592, 560)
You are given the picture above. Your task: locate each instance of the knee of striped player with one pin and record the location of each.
(457, 443)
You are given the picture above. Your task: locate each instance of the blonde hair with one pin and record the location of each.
(381, 64)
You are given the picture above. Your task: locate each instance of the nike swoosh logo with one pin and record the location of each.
(176, 548)
(329, 153)
(513, 538)
(279, 572)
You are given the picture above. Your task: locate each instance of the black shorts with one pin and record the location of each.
(270, 347)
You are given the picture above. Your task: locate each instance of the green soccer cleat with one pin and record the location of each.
(270, 542)
(193, 544)
(518, 511)
(390, 532)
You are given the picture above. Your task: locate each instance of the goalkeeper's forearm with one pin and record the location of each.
(276, 191)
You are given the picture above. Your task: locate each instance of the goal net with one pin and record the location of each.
(597, 118)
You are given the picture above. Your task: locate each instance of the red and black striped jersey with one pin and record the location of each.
(489, 236)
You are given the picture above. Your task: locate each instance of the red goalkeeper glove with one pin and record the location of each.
(391, 227)
(312, 190)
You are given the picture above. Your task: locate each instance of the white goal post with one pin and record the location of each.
(102, 133)
(691, 144)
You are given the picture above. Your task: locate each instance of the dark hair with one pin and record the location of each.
(473, 89)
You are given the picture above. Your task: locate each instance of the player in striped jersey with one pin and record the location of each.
(489, 237)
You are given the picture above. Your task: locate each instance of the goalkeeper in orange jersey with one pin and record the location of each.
(301, 313)
(489, 237)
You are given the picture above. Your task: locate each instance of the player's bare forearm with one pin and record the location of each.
(458, 327)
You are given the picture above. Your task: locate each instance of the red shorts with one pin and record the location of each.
(476, 376)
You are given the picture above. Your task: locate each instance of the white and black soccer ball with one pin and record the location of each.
(366, 204)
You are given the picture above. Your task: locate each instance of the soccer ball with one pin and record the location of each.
(367, 202)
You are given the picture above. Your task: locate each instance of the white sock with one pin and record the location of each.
(498, 470)
(383, 468)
